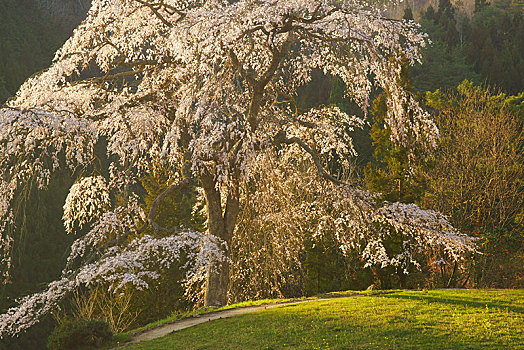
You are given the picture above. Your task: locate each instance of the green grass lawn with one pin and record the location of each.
(440, 319)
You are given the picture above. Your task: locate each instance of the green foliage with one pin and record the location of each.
(442, 67)
(444, 62)
(316, 92)
(389, 171)
(180, 208)
(79, 334)
(474, 176)
(42, 244)
(328, 270)
(496, 44)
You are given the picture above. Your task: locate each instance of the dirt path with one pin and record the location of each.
(165, 329)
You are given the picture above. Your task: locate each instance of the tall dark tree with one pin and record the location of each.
(408, 13)
(390, 172)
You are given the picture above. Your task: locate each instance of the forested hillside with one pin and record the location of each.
(487, 47)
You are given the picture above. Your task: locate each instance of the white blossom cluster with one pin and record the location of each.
(328, 131)
(362, 222)
(196, 63)
(36, 142)
(33, 144)
(111, 225)
(86, 200)
(32, 307)
(291, 205)
(432, 226)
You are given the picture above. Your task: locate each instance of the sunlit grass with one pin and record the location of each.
(181, 315)
(439, 319)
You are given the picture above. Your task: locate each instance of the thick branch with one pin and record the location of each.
(260, 85)
(281, 138)
(158, 200)
(155, 12)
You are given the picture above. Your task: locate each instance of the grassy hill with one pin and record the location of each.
(440, 319)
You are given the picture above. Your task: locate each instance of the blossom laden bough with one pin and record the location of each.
(134, 266)
(86, 200)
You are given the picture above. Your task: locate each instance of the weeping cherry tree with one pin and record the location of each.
(205, 89)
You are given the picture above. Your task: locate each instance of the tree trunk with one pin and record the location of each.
(221, 224)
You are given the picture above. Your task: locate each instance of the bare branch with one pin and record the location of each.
(154, 9)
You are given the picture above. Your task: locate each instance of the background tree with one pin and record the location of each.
(445, 64)
(487, 47)
(477, 177)
(391, 172)
(496, 45)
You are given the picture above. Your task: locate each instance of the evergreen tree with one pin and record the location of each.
(408, 14)
(445, 64)
(389, 171)
(496, 45)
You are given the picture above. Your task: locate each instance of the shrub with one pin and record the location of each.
(477, 178)
(79, 334)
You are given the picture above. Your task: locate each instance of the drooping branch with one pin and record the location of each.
(315, 16)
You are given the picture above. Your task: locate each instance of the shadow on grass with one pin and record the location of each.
(499, 304)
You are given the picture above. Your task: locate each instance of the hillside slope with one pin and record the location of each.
(451, 319)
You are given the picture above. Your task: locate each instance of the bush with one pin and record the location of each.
(79, 334)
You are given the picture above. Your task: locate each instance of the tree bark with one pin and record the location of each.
(221, 223)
